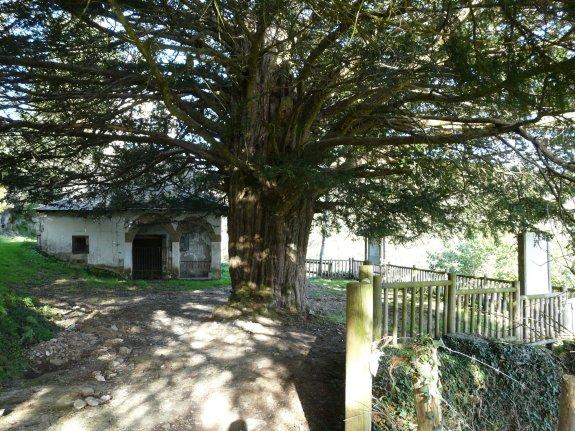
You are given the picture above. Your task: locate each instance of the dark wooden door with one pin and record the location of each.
(147, 257)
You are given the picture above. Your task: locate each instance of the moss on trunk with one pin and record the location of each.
(268, 235)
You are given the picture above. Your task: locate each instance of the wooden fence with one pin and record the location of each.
(543, 316)
(447, 304)
(349, 269)
(415, 308)
(417, 301)
(342, 268)
(437, 307)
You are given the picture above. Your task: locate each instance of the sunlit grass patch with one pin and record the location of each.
(21, 263)
(333, 317)
(22, 266)
(329, 299)
(112, 282)
(325, 287)
(339, 283)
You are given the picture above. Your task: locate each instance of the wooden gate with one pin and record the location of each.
(147, 258)
(195, 253)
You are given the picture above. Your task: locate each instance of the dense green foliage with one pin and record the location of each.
(482, 255)
(401, 118)
(430, 114)
(21, 324)
(486, 386)
(478, 255)
(21, 321)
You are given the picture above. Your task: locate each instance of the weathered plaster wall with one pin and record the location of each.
(108, 246)
(106, 237)
(216, 223)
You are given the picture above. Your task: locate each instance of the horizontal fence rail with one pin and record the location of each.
(349, 268)
(470, 282)
(418, 301)
(437, 307)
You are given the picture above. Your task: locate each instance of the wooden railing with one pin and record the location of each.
(543, 316)
(437, 307)
(396, 273)
(349, 269)
(415, 308)
(491, 312)
(489, 307)
(334, 268)
(416, 301)
(471, 282)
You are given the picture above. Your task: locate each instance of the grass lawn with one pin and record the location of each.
(328, 298)
(330, 287)
(22, 266)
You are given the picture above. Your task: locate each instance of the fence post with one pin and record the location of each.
(427, 385)
(567, 404)
(377, 308)
(517, 318)
(451, 302)
(359, 335)
(366, 273)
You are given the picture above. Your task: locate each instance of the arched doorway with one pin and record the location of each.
(196, 237)
(148, 244)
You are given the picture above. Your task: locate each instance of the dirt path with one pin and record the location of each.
(167, 365)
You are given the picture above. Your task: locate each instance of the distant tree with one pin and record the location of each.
(562, 261)
(401, 117)
(477, 256)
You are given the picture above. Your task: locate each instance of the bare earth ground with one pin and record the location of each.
(168, 365)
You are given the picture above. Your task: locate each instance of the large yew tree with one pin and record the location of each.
(401, 117)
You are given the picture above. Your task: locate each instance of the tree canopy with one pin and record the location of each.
(401, 117)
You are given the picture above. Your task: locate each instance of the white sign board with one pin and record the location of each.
(374, 254)
(536, 265)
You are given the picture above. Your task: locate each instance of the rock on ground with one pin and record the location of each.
(66, 347)
(79, 404)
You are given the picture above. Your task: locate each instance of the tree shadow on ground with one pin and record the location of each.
(186, 371)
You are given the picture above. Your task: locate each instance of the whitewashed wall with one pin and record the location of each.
(106, 237)
(225, 238)
(107, 245)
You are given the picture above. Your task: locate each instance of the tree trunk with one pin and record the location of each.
(268, 235)
(567, 404)
(321, 250)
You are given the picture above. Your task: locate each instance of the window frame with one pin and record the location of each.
(82, 250)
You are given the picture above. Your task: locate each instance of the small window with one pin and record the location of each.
(80, 245)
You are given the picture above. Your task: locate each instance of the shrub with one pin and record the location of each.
(487, 386)
(21, 324)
